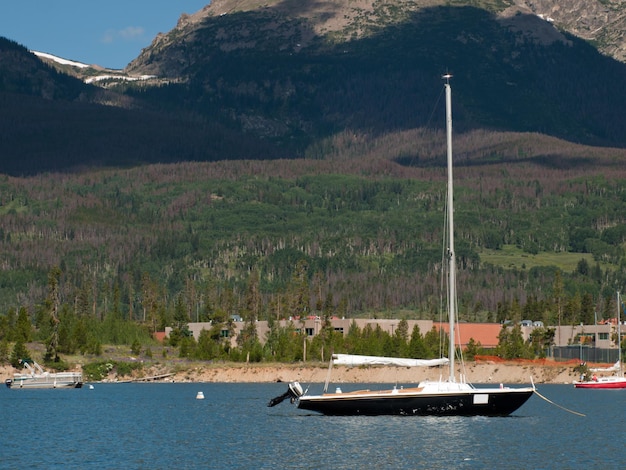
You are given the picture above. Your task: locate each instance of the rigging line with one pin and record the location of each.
(442, 307)
(435, 108)
(309, 380)
(428, 123)
(443, 279)
(559, 406)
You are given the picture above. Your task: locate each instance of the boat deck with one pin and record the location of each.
(392, 391)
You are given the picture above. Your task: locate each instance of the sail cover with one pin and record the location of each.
(355, 360)
(614, 367)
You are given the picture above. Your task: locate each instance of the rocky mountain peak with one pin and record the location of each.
(293, 25)
(601, 21)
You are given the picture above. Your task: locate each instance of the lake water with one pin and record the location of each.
(158, 426)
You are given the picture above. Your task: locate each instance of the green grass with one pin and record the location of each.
(512, 257)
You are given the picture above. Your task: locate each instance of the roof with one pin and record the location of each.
(484, 333)
(159, 336)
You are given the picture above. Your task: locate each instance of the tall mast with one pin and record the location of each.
(619, 336)
(451, 256)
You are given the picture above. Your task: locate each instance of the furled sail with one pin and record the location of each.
(614, 367)
(356, 360)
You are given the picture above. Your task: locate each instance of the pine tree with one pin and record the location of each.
(417, 348)
(52, 303)
(23, 326)
(19, 355)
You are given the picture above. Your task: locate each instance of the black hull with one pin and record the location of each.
(448, 404)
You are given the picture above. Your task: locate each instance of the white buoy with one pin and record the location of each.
(90, 387)
(200, 396)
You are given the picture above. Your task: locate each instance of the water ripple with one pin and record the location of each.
(139, 426)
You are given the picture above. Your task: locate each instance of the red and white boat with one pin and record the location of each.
(612, 381)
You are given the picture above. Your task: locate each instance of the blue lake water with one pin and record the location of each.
(158, 426)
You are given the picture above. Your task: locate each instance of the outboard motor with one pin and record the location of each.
(294, 391)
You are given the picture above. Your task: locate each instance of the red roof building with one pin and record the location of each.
(484, 333)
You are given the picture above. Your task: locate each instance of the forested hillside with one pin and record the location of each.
(361, 234)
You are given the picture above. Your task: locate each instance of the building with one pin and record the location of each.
(574, 341)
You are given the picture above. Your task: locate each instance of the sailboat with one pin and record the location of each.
(612, 381)
(445, 397)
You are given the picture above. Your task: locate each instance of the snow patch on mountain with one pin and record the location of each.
(60, 60)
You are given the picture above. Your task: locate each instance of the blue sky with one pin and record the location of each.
(109, 33)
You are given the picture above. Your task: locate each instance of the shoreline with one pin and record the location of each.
(483, 372)
(477, 373)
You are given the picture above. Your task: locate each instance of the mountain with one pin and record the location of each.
(296, 74)
(601, 22)
(22, 73)
(348, 96)
(282, 79)
(52, 121)
(88, 73)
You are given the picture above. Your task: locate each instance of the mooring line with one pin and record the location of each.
(559, 406)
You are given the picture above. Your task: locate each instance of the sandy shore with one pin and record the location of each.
(478, 373)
